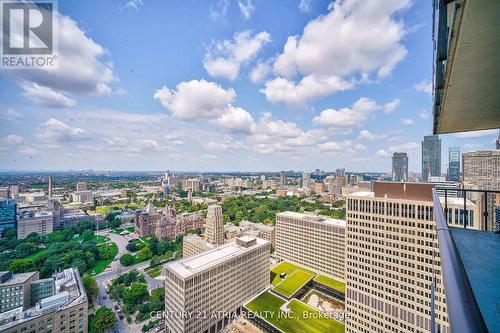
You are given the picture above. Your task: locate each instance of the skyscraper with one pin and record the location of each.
(283, 178)
(214, 229)
(306, 179)
(399, 167)
(340, 172)
(8, 214)
(498, 141)
(81, 186)
(454, 164)
(431, 157)
(50, 186)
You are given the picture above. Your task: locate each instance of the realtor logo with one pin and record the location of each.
(28, 34)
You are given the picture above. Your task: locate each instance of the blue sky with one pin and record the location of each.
(228, 85)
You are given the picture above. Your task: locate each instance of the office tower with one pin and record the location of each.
(481, 170)
(259, 230)
(83, 196)
(431, 157)
(216, 282)
(194, 244)
(8, 214)
(283, 178)
(50, 186)
(454, 164)
(4, 193)
(340, 172)
(214, 228)
(497, 146)
(306, 179)
(399, 167)
(14, 191)
(193, 185)
(391, 261)
(313, 241)
(60, 303)
(81, 186)
(41, 223)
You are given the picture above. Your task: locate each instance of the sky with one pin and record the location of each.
(224, 85)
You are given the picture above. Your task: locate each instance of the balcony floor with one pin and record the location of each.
(480, 255)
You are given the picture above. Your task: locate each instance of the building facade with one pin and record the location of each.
(8, 214)
(454, 164)
(399, 167)
(312, 241)
(15, 290)
(213, 285)
(41, 222)
(431, 157)
(194, 244)
(391, 260)
(214, 227)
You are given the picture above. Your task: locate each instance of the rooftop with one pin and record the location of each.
(314, 218)
(17, 278)
(187, 267)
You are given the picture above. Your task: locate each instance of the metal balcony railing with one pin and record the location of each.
(463, 310)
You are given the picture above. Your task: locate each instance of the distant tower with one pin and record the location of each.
(399, 167)
(50, 187)
(214, 229)
(454, 164)
(498, 141)
(431, 157)
(81, 186)
(283, 178)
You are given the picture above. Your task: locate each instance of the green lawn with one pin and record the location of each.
(302, 318)
(332, 283)
(154, 271)
(36, 254)
(131, 229)
(292, 283)
(101, 265)
(106, 209)
(287, 268)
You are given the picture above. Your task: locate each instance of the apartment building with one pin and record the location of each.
(391, 260)
(63, 310)
(194, 244)
(214, 227)
(313, 241)
(41, 223)
(15, 290)
(210, 288)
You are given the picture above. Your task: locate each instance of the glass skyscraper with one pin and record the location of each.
(454, 164)
(431, 157)
(8, 214)
(399, 167)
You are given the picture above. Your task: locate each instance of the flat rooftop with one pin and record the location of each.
(314, 218)
(187, 267)
(18, 278)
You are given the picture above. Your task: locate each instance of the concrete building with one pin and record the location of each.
(391, 260)
(81, 186)
(83, 197)
(8, 214)
(14, 191)
(453, 164)
(319, 187)
(431, 157)
(64, 311)
(306, 179)
(340, 172)
(193, 185)
(313, 241)
(4, 193)
(213, 285)
(15, 290)
(259, 230)
(214, 227)
(283, 180)
(399, 167)
(50, 186)
(41, 222)
(194, 244)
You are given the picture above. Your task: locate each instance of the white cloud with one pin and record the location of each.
(11, 114)
(260, 71)
(424, 86)
(383, 153)
(476, 134)
(410, 147)
(224, 59)
(354, 37)
(407, 121)
(27, 150)
(310, 87)
(80, 69)
(133, 4)
(424, 114)
(219, 10)
(247, 8)
(236, 120)
(175, 137)
(195, 99)
(46, 96)
(356, 115)
(305, 5)
(14, 139)
(55, 131)
(370, 136)
(227, 143)
(391, 106)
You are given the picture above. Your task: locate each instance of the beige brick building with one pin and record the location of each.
(40, 222)
(214, 284)
(194, 244)
(214, 227)
(316, 242)
(391, 259)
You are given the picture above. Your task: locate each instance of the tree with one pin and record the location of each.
(136, 294)
(104, 318)
(87, 235)
(144, 254)
(25, 249)
(153, 244)
(90, 286)
(115, 223)
(21, 265)
(126, 259)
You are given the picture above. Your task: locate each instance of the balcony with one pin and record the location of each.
(467, 70)
(470, 262)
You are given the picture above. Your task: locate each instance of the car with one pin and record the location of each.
(100, 302)
(104, 297)
(120, 314)
(110, 296)
(106, 289)
(116, 331)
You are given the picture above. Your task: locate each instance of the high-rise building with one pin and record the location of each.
(214, 228)
(454, 164)
(57, 304)
(81, 186)
(391, 260)
(399, 167)
(8, 214)
(497, 146)
(50, 186)
(340, 172)
(14, 191)
(306, 179)
(283, 178)
(83, 196)
(211, 287)
(192, 185)
(4, 193)
(313, 241)
(194, 244)
(431, 157)
(41, 223)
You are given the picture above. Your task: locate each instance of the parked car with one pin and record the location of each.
(120, 314)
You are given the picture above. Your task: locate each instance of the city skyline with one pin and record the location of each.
(258, 106)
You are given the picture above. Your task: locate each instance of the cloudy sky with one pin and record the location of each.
(228, 85)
